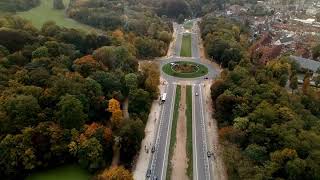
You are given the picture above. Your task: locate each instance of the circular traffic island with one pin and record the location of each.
(185, 69)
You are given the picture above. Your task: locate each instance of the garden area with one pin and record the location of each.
(185, 69)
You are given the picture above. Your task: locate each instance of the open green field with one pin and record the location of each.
(186, 46)
(189, 131)
(173, 130)
(188, 25)
(45, 12)
(66, 172)
(202, 70)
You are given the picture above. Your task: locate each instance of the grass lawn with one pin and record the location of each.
(203, 70)
(45, 12)
(173, 130)
(188, 24)
(66, 172)
(189, 131)
(186, 46)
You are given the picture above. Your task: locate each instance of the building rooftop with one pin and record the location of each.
(307, 63)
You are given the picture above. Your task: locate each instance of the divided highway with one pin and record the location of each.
(159, 161)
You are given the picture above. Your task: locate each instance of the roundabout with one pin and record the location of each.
(185, 69)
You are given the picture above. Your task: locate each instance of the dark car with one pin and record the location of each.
(153, 149)
(148, 173)
(209, 154)
(206, 78)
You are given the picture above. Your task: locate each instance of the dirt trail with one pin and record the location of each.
(179, 159)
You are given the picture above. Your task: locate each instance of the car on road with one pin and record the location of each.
(197, 94)
(209, 154)
(148, 173)
(206, 78)
(153, 149)
(155, 178)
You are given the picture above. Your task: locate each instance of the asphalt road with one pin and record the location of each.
(201, 164)
(159, 161)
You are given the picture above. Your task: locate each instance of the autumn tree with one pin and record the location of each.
(115, 173)
(117, 116)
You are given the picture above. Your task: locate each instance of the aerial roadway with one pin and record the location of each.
(160, 149)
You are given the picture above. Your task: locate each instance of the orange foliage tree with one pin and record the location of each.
(115, 173)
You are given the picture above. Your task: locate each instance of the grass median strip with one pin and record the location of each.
(173, 130)
(186, 46)
(189, 131)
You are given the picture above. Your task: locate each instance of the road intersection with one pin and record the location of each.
(159, 159)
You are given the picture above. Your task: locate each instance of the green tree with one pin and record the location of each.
(293, 83)
(70, 114)
(40, 52)
(21, 111)
(131, 135)
(131, 81)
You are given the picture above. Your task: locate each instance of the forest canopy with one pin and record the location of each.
(62, 93)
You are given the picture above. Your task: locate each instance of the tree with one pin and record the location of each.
(316, 51)
(114, 105)
(58, 4)
(293, 82)
(89, 153)
(131, 81)
(317, 80)
(106, 55)
(21, 111)
(40, 52)
(115, 173)
(131, 133)
(256, 153)
(70, 114)
(117, 118)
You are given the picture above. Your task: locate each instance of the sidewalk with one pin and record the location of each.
(141, 166)
(217, 164)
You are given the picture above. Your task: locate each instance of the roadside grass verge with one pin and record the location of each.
(186, 46)
(173, 130)
(203, 70)
(189, 132)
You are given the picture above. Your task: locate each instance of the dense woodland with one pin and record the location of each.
(130, 16)
(269, 129)
(18, 5)
(62, 92)
(225, 41)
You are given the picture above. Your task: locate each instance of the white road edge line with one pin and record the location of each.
(195, 153)
(169, 131)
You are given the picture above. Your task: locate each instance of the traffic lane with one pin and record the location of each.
(194, 46)
(201, 151)
(161, 153)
